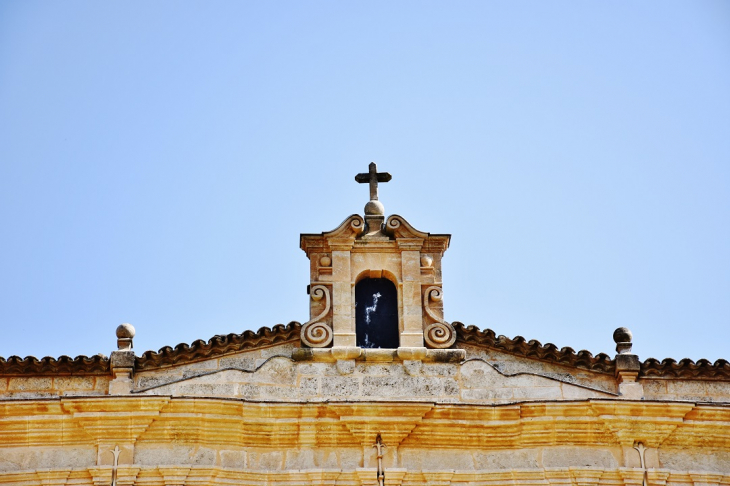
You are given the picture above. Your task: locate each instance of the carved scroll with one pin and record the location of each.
(316, 334)
(392, 224)
(358, 226)
(440, 334)
(398, 227)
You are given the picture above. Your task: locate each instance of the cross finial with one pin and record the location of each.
(372, 177)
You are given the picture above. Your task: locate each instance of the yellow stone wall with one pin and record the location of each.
(185, 440)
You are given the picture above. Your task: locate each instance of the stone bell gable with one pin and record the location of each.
(376, 288)
(393, 250)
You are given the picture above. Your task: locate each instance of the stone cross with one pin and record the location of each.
(373, 177)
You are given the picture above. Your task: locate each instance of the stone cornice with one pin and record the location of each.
(242, 423)
(352, 227)
(153, 475)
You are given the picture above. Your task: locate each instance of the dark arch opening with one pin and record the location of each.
(376, 313)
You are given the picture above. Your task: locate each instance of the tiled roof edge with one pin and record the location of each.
(64, 365)
(533, 349)
(217, 346)
(650, 368)
(685, 368)
(472, 335)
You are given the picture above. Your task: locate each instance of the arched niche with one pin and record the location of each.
(376, 313)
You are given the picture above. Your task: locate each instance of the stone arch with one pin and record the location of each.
(376, 313)
(372, 273)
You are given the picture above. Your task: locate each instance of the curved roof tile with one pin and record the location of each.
(519, 346)
(80, 365)
(217, 346)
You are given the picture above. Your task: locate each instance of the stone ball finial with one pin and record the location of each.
(125, 331)
(426, 260)
(374, 208)
(622, 335)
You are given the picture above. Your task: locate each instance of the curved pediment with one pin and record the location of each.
(398, 227)
(352, 227)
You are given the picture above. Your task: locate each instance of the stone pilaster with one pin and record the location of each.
(122, 362)
(412, 319)
(343, 323)
(627, 366)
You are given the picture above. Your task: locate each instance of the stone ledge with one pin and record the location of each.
(381, 355)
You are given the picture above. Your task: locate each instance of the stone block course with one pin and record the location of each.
(309, 387)
(487, 394)
(275, 392)
(233, 459)
(206, 389)
(538, 393)
(73, 383)
(153, 454)
(23, 384)
(29, 458)
(241, 362)
(517, 459)
(579, 457)
(340, 387)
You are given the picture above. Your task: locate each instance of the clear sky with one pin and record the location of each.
(158, 161)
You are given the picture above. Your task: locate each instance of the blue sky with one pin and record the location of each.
(159, 160)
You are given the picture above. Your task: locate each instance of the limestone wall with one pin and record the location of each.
(21, 387)
(272, 374)
(689, 390)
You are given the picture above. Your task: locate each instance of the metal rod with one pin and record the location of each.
(380, 446)
(641, 449)
(115, 452)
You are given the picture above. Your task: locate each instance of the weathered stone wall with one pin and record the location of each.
(272, 374)
(511, 365)
(689, 390)
(52, 386)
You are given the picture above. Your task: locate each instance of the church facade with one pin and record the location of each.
(376, 388)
